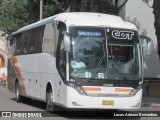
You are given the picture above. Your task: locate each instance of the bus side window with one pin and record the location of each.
(17, 47)
(49, 39)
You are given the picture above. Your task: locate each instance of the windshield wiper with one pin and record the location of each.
(115, 62)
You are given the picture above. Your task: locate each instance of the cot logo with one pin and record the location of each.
(6, 114)
(122, 34)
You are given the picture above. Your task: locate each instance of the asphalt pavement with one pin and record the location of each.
(148, 104)
(151, 102)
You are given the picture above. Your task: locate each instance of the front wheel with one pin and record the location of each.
(49, 99)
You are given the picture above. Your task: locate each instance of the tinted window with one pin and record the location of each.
(29, 42)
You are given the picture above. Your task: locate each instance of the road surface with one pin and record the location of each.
(8, 103)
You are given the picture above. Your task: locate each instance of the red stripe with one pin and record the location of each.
(18, 72)
(92, 89)
(123, 89)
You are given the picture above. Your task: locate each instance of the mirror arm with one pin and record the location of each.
(150, 45)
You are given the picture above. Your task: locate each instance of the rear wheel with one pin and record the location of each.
(17, 92)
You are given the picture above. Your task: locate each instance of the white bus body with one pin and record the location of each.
(42, 68)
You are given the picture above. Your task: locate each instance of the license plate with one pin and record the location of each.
(108, 102)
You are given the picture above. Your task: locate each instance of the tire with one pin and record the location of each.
(17, 92)
(49, 103)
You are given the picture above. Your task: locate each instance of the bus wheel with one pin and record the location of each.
(49, 100)
(18, 96)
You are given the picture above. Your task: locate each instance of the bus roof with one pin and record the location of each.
(83, 19)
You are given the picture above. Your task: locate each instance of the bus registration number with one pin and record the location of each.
(108, 102)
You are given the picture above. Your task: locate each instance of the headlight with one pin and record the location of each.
(78, 88)
(134, 91)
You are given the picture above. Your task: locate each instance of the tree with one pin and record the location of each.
(102, 6)
(156, 12)
(75, 5)
(134, 21)
(144, 32)
(107, 6)
(52, 7)
(15, 14)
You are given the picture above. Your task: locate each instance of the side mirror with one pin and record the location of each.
(147, 45)
(67, 43)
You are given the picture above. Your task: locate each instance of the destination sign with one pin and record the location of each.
(89, 33)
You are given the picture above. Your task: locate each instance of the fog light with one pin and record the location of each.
(75, 103)
(138, 104)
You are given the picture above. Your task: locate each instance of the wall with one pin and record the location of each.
(3, 53)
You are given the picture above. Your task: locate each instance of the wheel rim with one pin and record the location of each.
(50, 100)
(17, 93)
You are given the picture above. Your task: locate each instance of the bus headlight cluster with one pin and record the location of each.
(78, 88)
(134, 91)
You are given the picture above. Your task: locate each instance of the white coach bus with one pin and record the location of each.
(78, 60)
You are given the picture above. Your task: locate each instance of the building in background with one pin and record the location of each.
(3, 53)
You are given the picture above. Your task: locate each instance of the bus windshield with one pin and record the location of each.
(102, 53)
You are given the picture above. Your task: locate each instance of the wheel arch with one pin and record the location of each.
(48, 86)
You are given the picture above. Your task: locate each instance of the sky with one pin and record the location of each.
(140, 10)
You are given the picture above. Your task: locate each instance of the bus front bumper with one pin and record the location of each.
(75, 100)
